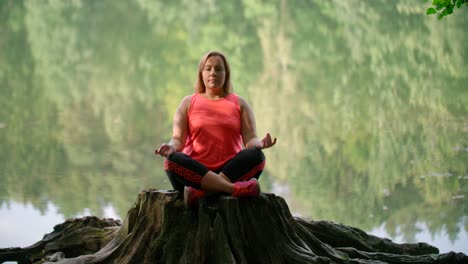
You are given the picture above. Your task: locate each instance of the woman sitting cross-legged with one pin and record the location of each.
(210, 128)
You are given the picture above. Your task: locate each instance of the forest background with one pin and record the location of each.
(368, 101)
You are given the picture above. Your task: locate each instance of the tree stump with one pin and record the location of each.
(222, 229)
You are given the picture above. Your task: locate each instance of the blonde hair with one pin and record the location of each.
(200, 85)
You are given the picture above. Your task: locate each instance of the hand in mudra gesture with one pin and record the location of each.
(165, 150)
(266, 142)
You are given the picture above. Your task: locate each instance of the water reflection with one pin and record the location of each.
(367, 101)
(16, 227)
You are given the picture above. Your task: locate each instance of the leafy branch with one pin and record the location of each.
(443, 8)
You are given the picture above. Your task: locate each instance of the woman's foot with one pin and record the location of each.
(192, 195)
(246, 188)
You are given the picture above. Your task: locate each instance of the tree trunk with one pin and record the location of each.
(160, 229)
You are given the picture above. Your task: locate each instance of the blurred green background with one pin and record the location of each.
(368, 100)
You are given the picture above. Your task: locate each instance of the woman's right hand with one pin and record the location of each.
(165, 150)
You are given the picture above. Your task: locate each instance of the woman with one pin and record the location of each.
(210, 127)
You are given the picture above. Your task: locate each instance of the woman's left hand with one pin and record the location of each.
(266, 142)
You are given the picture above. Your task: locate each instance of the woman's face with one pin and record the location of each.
(214, 72)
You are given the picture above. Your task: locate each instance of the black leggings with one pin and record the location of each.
(182, 170)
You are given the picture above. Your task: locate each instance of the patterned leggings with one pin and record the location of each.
(182, 170)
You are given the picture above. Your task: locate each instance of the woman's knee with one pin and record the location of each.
(184, 169)
(254, 154)
(177, 157)
(173, 160)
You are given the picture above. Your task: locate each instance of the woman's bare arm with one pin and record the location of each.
(179, 129)
(249, 134)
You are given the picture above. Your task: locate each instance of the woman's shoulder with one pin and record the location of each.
(242, 102)
(188, 98)
(186, 102)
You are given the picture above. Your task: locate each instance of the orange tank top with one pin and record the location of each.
(214, 130)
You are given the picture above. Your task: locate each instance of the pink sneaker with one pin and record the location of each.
(246, 188)
(192, 195)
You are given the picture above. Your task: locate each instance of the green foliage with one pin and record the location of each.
(443, 8)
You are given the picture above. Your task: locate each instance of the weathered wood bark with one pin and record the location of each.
(74, 237)
(160, 229)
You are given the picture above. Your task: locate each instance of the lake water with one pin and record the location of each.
(368, 100)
